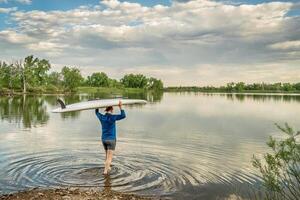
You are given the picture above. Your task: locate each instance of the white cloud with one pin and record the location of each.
(24, 1)
(286, 45)
(18, 1)
(51, 48)
(14, 37)
(110, 3)
(182, 20)
(7, 10)
(163, 39)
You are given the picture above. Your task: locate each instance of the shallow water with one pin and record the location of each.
(180, 145)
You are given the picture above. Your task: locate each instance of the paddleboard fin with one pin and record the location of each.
(62, 104)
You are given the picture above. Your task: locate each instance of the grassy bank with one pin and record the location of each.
(55, 90)
(107, 90)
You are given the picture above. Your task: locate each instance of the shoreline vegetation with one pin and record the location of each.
(79, 90)
(279, 167)
(241, 87)
(34, 76)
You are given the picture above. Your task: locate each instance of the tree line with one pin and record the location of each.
(33, 75)
(243, 87)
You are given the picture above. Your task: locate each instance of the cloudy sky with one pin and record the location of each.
(196, 42)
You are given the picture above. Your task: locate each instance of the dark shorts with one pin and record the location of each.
(109, 144)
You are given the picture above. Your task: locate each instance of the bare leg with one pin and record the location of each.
(108, 161)
(105, 156)
(110, 157)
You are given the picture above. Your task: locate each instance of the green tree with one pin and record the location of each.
(35, 71)
(10, 76)
(71, 78)
(230, 87)
(155, 84)
(281, 169)
(134, 81)
(240, 86)
(42, 67)
(277, 86)
(55, 78)
(297, 86)
(99, 79)
(4, 74)
(287, 87)
(115, 83)
(16, 77)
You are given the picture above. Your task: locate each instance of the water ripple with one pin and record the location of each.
(147, 172)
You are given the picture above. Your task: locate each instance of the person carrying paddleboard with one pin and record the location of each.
(108, 123)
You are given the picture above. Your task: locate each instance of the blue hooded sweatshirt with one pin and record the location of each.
(108, 122)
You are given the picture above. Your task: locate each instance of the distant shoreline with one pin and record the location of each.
(233, 92)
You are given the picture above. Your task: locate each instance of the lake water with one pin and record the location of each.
(180, 145)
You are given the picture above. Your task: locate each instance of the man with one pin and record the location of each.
(108, 122)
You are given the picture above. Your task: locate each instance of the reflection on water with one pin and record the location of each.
(264, 97)
(183, 145)
(31, 110)
(26, 110)
(152, 96)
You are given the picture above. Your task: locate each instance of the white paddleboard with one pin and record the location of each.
(102, 103)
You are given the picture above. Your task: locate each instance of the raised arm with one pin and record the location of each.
(122, 115)
(98, 114)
